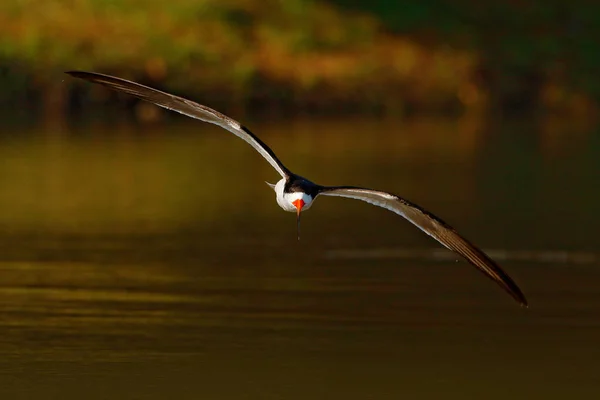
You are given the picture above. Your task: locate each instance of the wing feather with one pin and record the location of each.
(434, 227)
(185, 107)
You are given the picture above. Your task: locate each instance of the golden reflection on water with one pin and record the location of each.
(131, 269)
(160, 179)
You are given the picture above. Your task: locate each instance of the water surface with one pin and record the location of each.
(152, 262)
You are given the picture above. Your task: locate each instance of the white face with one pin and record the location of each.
(286, 200)
(292, 198)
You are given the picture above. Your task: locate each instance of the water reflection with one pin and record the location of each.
(131, 269)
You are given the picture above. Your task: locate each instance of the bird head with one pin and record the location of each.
(291, 201)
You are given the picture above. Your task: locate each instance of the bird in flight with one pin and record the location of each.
(297, 194)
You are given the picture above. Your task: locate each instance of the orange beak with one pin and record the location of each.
(299, 204)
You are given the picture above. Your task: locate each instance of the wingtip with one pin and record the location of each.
(81, 74)
(523, 303)
(520, 298)
(76, 74)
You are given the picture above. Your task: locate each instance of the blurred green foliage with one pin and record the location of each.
(431, 54)
(560, 39)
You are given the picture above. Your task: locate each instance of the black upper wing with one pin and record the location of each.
(186, 107)
(434, 227)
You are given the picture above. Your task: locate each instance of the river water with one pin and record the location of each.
(151, 262)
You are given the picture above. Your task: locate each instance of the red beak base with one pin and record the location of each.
(299, 204)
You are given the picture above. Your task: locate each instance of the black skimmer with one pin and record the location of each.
(296, 194)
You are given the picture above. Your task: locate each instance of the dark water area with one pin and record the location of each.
(152, 262)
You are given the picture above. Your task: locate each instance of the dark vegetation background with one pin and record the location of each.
(380, 56)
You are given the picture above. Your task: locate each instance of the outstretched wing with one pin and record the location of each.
(434, 227)
(185, 107)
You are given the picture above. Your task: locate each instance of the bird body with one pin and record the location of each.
(297, 194)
